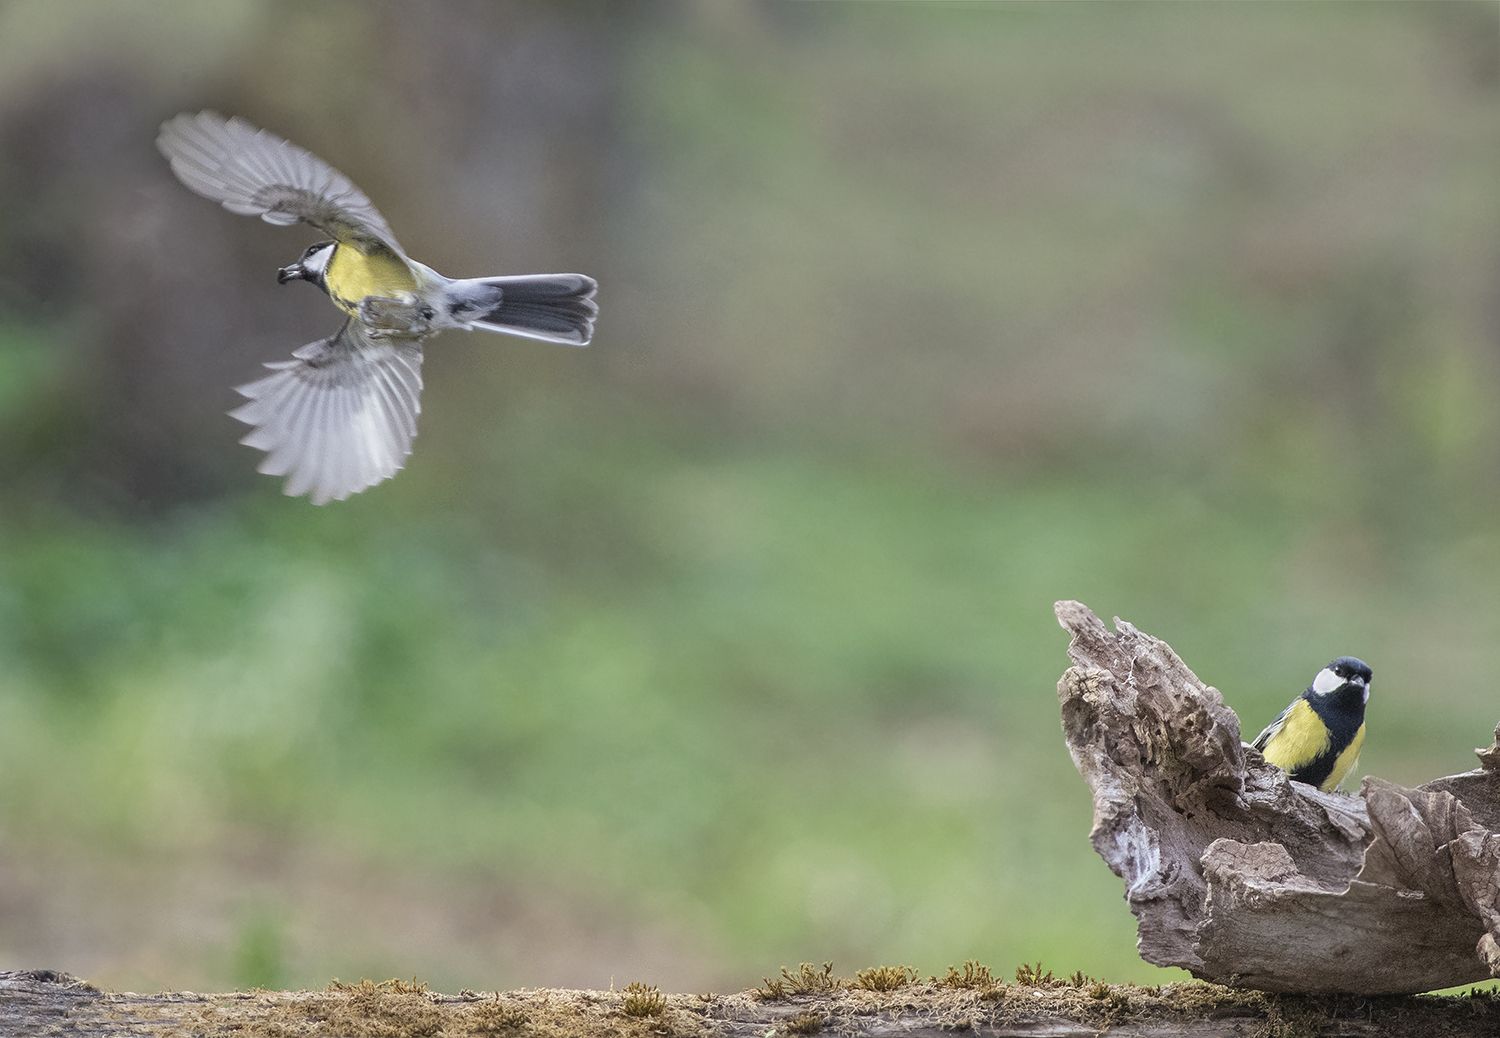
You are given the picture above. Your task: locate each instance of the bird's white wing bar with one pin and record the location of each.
(256, 173)
(340, 417)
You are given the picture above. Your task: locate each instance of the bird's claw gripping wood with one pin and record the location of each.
(1244, 877)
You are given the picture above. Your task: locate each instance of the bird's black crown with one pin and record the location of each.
(1348, 667)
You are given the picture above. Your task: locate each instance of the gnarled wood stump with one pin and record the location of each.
(1244, 877)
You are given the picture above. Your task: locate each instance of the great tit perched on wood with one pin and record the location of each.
(1318, 738)
(342, 414)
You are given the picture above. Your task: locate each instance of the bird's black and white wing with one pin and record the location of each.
(340, 417)
(255, 173)
(1264, 738)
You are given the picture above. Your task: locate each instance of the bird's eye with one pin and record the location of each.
(310, 250)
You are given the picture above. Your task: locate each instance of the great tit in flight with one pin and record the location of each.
(341, 415)
(1318, 737)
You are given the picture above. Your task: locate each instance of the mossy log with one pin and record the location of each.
(1246, 878)
(43, 1003)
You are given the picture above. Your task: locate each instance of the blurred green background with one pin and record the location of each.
(728, 642)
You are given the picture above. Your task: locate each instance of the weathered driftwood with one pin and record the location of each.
(43, 1003)
(1243, 877)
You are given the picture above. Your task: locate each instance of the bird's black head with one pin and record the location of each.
(1342, 672)
(310, 266)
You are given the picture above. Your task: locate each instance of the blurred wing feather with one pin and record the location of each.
(255, 173)
(340, 417)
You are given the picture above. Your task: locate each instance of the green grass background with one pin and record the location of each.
(728, 643)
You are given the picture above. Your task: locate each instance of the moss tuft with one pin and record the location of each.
(885, 978)
(773, 990)
(395, 986)
(807, 980)
(643, 1000)
(972, 976)
(805, 1023)
(376, 1009)
(1032, 976)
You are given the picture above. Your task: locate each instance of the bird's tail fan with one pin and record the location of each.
(552, 307)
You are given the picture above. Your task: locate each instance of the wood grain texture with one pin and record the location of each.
(1244, 877)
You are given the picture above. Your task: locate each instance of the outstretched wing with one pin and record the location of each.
(340, 417)
(255, 173)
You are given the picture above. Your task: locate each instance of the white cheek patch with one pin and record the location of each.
(1326, 682)
(1367, 694)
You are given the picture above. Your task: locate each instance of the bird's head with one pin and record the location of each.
(1341, 673)
(310, 266)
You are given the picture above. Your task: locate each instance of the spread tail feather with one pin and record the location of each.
(552, 307)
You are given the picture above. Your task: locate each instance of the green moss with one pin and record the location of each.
(371, 987)
(494, 1018)
(807, 979)
(972, 976)
(885, 978)
(967, 996)
(387, 1009)
(959, 1001)
(1031, 975)
(643, 1000)
(805, 1023)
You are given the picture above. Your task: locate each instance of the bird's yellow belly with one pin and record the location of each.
(1303, 739)
(353, 276)
(1345, 762)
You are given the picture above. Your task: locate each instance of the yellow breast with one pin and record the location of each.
(1302, 738)
(1345, 762)
(353, 275)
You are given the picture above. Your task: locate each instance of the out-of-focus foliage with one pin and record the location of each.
(726, 643)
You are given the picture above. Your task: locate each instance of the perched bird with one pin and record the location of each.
(1318, 738)
(342, 414)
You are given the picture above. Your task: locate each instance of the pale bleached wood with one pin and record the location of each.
(1244, 877)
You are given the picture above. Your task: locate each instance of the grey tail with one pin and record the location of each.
(551, 307)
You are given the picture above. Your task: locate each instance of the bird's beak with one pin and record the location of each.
(293, 273)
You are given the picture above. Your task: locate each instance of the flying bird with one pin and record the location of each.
(341, 415)
(1318, 737)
